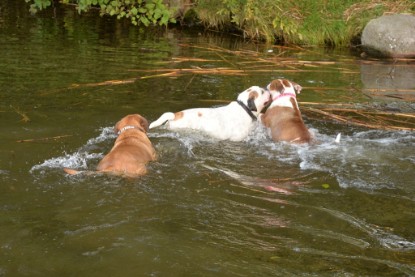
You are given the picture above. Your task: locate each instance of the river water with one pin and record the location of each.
(206, 208)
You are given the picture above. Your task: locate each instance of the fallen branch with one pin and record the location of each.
(105, 83)
(44, 139)
(350, 120)
(186, 59)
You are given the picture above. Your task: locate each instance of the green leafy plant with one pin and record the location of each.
(144, 12)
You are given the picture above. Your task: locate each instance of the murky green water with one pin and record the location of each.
(205, 208)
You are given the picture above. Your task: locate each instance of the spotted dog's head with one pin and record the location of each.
(283, 86)
(255, 98)
(283, 92)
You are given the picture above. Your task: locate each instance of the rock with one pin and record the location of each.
(390, 36)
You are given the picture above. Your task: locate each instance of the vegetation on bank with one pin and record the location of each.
(302, 22)
(143, 12)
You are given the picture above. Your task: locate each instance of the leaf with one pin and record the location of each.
(150, 6)
(274, 258)
(145, 21)
(157, 13)
(325, 186)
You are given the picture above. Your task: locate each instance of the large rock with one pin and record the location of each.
(390, 36)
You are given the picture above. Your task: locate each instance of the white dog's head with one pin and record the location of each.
(255, 98)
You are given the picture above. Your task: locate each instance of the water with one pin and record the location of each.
(206, 208)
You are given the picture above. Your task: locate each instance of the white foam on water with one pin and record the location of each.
(106, 133)
(371, 159)
(260, 138)
(187, 138)
(384, 237)
(77, 160)
(80, 158)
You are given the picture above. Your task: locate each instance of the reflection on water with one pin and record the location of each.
(250, 208)
(389, 77)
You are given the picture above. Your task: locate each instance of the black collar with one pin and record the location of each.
(247, 110)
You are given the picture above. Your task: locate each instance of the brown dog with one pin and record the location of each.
(132, 149)
(283, 116)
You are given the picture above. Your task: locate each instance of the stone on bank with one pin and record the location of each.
(390, 36)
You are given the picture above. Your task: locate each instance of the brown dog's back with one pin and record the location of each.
(131, 152)
(286, 124)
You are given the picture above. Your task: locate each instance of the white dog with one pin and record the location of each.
(231, 122)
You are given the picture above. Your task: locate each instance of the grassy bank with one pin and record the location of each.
(302, 22)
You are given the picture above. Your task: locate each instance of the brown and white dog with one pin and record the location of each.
(231, 122)
(283, 116)
(131, 152)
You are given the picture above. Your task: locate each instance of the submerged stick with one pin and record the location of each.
(353, 121)
(24, 116)
(44, 139)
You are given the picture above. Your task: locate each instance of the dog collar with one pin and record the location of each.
(284, 95)
(125, 128)
(249, 112)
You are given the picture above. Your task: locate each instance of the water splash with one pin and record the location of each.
(74, 160)
(370, 160)
(81, 158)
(382, 235)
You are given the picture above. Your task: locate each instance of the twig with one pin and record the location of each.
(358, 122)
(44, 139)
(188, 83)
(186, 59)
(105, 83)
(158, 75)
(24, 116)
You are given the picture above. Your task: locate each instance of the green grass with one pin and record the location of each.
(303, 22)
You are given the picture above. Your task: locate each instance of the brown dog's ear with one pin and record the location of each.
(278, 85)
(117, 127)
(144, 123)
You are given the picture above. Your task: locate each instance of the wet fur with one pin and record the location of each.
(131, 152)
(286, 124)
(283, 117)
(230, 122)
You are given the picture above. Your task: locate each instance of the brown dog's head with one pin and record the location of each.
(132, 121)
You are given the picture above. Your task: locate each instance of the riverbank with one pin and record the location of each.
(320, 22)
(301, 22)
